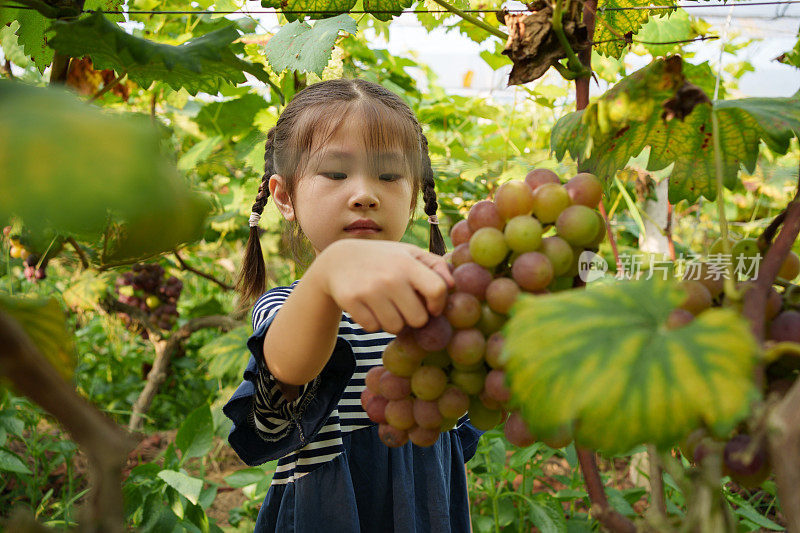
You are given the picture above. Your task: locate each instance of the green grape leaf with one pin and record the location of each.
(293, 10)
(250, 476)
(612, 25)
(628, 118)
(301, 47)
(224, 353)
(187, 486)
(233, 117)
(195, 436)
(30, 34)
(44, 322)
(9, 42)
(202, 64)
(663, 29)
(622, 378)
(51, 177)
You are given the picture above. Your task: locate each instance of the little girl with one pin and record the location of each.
(345, 161)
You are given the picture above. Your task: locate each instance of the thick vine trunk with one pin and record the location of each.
(165, 350)
(105, 444)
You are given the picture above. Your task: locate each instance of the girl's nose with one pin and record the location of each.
(364, 196)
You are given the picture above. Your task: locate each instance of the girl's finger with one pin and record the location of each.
(432, 286)
(363, 316)
(389, 318)
(438, 265)
(411, 306)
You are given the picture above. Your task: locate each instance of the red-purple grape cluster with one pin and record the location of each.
(528, 239)
(146, 287)
(18, 250)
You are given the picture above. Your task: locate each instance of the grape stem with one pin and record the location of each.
(189, 268)
(601, 510)
(79, 251)
(574, 65)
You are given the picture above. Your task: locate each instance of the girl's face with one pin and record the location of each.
(339, 197)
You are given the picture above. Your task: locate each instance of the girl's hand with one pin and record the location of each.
(384, 284)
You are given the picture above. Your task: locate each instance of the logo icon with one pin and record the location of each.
(591, 267)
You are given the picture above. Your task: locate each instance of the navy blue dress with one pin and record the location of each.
(334, 474)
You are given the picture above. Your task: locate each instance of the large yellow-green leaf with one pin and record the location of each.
(68, 166)
(615, 18)
(225, 354)
(603, 360)
(628, 118)
(46, 325)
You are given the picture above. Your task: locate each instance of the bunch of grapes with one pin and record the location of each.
(744, 455)
(18, 250)
(146, 287)
(527, 240)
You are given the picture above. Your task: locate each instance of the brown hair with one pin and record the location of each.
(307, 123)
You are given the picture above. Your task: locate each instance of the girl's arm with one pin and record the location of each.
(381, 284)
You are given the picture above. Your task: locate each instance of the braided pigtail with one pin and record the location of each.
(252, 279)
(436, 242)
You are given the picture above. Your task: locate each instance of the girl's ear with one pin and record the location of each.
(280, 195)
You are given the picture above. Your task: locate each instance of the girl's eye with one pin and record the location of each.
(335, 175)
(390, 177)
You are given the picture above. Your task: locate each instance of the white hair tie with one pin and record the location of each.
(433, 219)
(254, 218)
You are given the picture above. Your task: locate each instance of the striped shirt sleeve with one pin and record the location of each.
(273, 413)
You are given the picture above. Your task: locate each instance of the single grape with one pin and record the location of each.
(711, 279)
(785, 327)
(428, 382)
(746, 461)
(423, 437)
(400, 413)
(435, 335)
(717, 246)
(559, 252)
(391, 436)
(488, 247)
(376, 409)
(472, 278)
(585, 189)
(679, 318)
(152, 301)
(489, 402)
(540, 176)
(495, 386)
(400, 360)
(393, 387)
(501, 295)
(532, 271)
(494, 350)
(469, 368)
(490, 321)
(698, 299)
(523, 233)
(426, 414)
(469, 382)
(745, 251)
(790, 268)
(483, 418)
(513, 198)
(463, 310)
(461, 255)
(467, 346)
(460, 232)
(549, 200)
(453, 403)
(484, 214)
(373, 378)
(517, 432)
(578, 225)
(774, 304)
